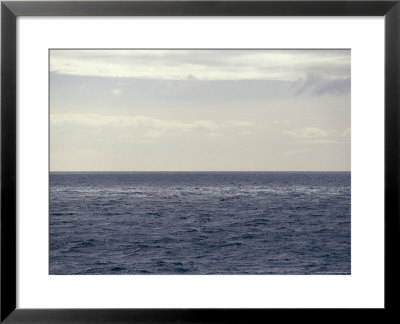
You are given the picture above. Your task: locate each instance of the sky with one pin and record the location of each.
(200, 110)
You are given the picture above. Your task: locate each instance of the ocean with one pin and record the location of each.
(182, 223)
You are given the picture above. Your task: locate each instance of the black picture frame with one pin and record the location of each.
(10, 10)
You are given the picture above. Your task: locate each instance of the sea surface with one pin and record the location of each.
(199, 223)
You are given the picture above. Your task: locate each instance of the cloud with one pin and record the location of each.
(126, 137)
(319, 141)
(346, 132)
(151, 127)
(83, 87)
(237, 123)
(190, 77)
(153, 134)
(314, 135)
(116, 92)
(281, 122)
(215, 135)
(88, 154)
(307, 133)
(191, 65)
(246, 132)
(299, 151)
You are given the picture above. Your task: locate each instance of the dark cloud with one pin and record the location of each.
(320, 85)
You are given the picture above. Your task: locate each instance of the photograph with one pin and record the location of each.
(199, 161)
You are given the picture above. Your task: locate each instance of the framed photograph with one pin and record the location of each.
(198, 161)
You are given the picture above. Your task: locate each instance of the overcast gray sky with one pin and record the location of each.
(200, 110)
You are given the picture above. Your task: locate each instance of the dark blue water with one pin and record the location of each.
(200, 223)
